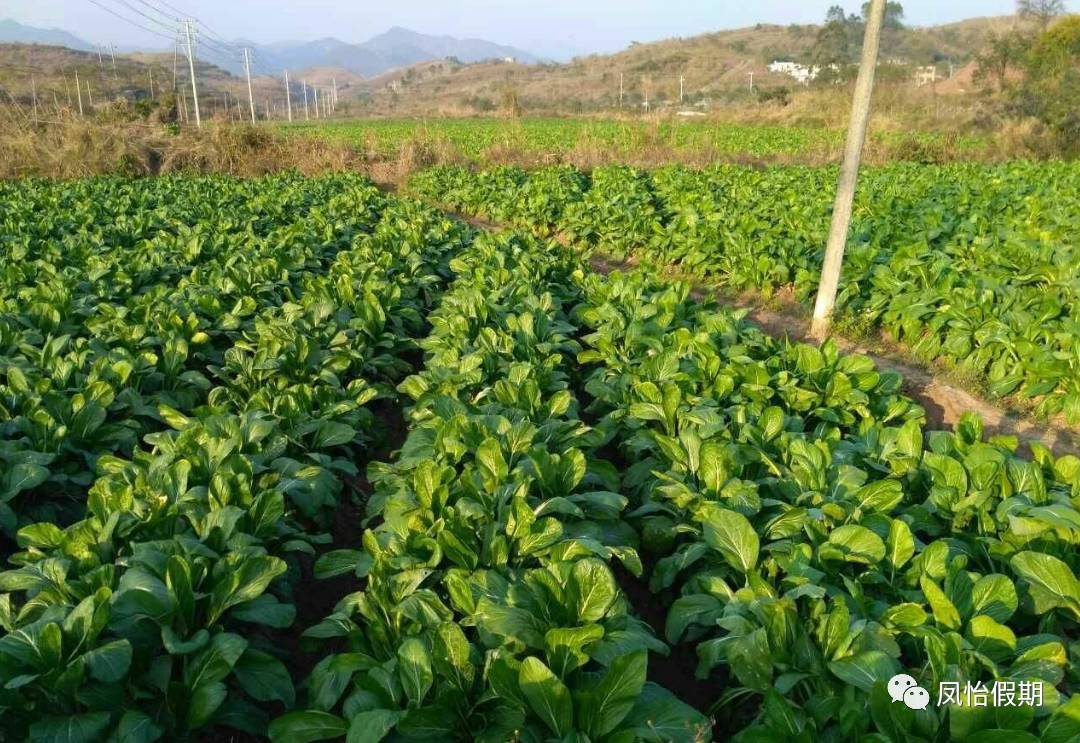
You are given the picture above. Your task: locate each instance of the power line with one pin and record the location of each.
(133, 9)
(130, 21)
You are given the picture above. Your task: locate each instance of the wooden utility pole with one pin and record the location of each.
(247, 71)
(191, 64)
(849, 174)
(288, 96)
(78, 89)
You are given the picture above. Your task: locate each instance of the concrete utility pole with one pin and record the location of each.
(78, 89)
(151, 71)
(682, 80)
(267, 103)
(33, 92)
(316, 102)
(247, 71)
(191, 63)
(307, 116)
(334, 99)
(849, 174)
(112, 54)
(89, 96)
(620, 90)
(288, 96)
(175, 54)
(751, 82)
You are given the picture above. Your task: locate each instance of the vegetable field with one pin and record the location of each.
(296, 460)
(972, 265)
(476, 139)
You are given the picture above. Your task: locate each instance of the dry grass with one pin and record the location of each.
(70, 147)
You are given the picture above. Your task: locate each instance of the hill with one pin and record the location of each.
(714, 66)
(12, 32)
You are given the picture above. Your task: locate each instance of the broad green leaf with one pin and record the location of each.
(414, 669)
(307, 726)
(900, 546)
(853, 543)
(591, 590)
(610, 701)
(71, 729)
(732, 535)
(372, 726)
(547, 696)
(864, 669)
(264, 677)
(945, 613)
(1051, 582)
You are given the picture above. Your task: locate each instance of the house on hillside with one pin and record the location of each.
(925, 76)
(803, 74)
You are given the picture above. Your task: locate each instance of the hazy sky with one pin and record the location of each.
(555, 28)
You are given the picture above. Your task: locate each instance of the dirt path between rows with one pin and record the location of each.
(944, 403)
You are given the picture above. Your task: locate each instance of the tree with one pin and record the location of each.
(832, 45)
(1051, 88)
(1002, 53)
(1042, 12)
(835, 14)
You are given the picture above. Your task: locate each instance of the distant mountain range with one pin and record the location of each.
(398, 47)
(13, 32)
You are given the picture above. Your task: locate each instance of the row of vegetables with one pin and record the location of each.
(577, 440)
(968, 264)
(601, 477)
(190, 369)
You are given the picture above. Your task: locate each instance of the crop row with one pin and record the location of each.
(585, 450)
(971, 265)
(601, 479)
(186, 401)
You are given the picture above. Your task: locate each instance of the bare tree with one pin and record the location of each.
(1041, 12)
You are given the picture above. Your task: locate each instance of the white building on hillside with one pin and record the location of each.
(801, 73)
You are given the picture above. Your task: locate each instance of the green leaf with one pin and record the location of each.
(337, 562)
(1051, 582)
(945, 613)
(591, 590)
(610, 701)
(305, 727)
(414, 669)
(372, 726)
(731, 534)
(995, 596)
(109, 663)
(864, 669)
(900, 546)
(205, 700)
(853, 543)
(547, 696)
(135, 727)
(264, 677)
(658, 717)
(71, 729)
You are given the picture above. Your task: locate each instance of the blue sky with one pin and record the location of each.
(555, 28)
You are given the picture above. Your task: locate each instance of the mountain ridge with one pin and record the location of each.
(396, 47)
